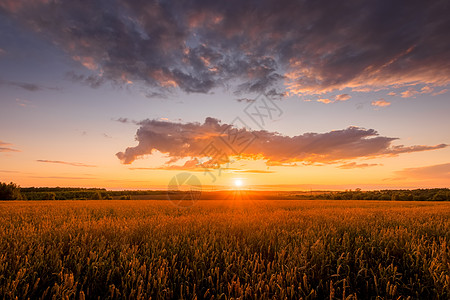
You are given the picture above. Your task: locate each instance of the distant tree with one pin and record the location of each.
(107, 197)
(96, 196)
(440, 196)
(10, 191)
(395, 197)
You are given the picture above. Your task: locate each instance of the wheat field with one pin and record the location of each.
(248, 249)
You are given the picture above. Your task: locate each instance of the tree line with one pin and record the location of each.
(12, 191)
(442, 194)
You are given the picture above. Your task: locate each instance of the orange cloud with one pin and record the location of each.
(342, 97)
(87, 62)
(409, 93)
(426, 90)
(4, 148)
(441, 171)
(381, 103)
(354, 165)
(212, 144)
(75, 164)
(440, 92)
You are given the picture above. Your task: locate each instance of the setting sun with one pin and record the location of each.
(238, 182)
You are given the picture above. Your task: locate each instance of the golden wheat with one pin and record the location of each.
(223, 250)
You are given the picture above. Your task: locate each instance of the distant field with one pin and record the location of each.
(277, 249)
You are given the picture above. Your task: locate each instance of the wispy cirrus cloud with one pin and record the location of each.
(440, 171)
(441, 92)
(74, 164)
(196, 46)
(189, 140)
(64, 177)
(31, 87)
(253, 171)
(6, 147)
(354, 165)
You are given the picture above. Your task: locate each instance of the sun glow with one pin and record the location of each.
(238, 183)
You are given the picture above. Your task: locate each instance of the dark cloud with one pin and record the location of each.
(246, 100)
(75, 164)
(31, 87)
(217, 142)
(5, 147)
(122, 120)
(395, 150)
(94, 81)
(308, 47)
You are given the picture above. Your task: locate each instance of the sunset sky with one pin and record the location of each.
(286, 95)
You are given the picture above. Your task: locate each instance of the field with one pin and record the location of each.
(271, 249)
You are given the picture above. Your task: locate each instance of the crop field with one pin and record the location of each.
(247, 249)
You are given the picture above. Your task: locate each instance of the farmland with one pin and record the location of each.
(252, 249)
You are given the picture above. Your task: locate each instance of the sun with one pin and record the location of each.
(238, 182)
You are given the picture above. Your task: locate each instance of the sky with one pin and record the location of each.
(284, 95)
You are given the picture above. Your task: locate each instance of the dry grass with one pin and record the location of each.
(224, 249)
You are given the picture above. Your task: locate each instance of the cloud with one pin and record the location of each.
(426, 90)
(246, 100)
(4, 147)
(409, 93)
(441, 171)
(303, 47)
(122, 120)
(75, 164)
(342, 97)
(381, 103)
(254, 171)
(94, 81)
(395, 150)
(326, 101)
(63, 177)
(2, 51)
(392, 94)
(353, 165)
(31, 87)
(24, 103)
(440, 92)
(211, 144)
